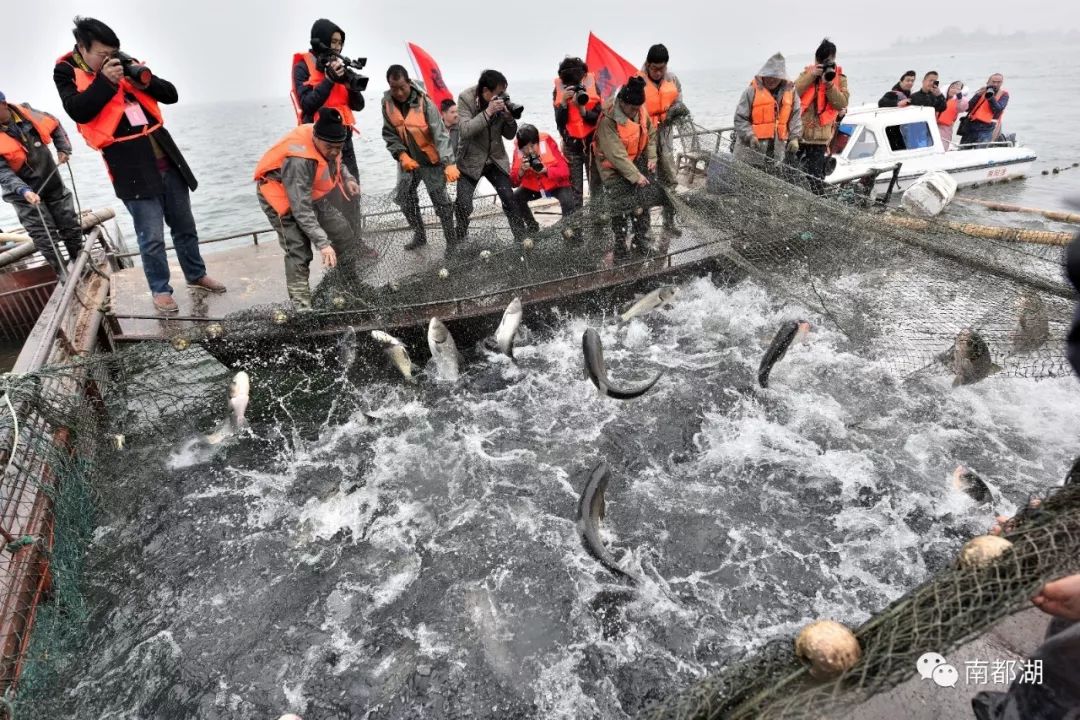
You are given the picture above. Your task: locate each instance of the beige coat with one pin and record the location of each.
(813, 132)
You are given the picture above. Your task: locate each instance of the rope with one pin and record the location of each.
(14, 421)
(52, 242)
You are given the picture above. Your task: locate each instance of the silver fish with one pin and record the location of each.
(970, 358)
(968, 482)
(396, 351)
(443, 349)
(239, 392)
(596, 370)
(590, 512)
(346, 349)
(656, 298)
(779, 347)
(1032, 324)
(508, 327)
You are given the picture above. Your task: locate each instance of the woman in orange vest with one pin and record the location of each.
(577, 110)
(768, 121)
(119, 115)
(985, 112)
(298, 179)
(955, 104)
(664, 103)
(823, 96)
(30, 181)
(320, 79)
(539, 169)
(624, 150)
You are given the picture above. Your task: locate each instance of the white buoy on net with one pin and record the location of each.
(831, 648)
(930, 194)
(983, 550)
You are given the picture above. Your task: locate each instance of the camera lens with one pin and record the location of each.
(582, 98)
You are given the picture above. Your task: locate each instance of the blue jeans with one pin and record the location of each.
(150, 215)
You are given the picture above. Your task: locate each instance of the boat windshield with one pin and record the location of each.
(865, 146)
(909, 136)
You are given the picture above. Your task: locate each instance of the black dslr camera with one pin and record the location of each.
(512, 108)
(535, 163)
(828, 70)
(133, 69)
(581, 97)
(990, 92)
(352, 78)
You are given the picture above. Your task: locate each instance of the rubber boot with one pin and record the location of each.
(670, 231)
(412, 216)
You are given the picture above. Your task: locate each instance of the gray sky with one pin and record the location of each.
(215, 50)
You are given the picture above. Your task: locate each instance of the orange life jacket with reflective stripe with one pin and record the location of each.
(659, 99)
(13, 151)
(634, 136)
(576, 127)
(100, 132)
(339, 94)
(950, 113)
(531, 180)
(414, 125)
(982, 112)
(814, 96)
(298, 143)
(767, 124)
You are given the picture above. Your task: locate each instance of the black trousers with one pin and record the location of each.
(812, 158)
(463, 203)
(523, 196)
(348, 156)
(61, 222)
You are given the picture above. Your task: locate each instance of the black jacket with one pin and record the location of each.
(562, 116)
(313, 98)
(929, 99)
(893, 97)
(132, 165)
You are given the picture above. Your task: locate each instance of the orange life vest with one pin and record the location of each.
(414, 125)
(950, 113)
(298, 143)
(767, 124)
(982, 112)
(576, 127)
(659, 99)
(100, 132)
(634, 136)
(339, 95)
(531, 180)
(814, 96)
(13, 151)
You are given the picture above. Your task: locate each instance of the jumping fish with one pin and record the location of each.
(968, 482)
(346, 349)
(596, 370)
(1032, 324)
(443, 349)
(589, 514)
(508, 327)
(239, 391)
(395, 350)
(970, 358)
(658, 297)
(779, 347)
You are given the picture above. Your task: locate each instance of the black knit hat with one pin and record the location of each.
(657, 55)
(633, 92)
(329, 126)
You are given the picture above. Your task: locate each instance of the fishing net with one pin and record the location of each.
(901, 291)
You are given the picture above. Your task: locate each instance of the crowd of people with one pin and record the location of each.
(307, 181)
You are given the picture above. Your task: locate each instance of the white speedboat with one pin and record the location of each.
(876, 140)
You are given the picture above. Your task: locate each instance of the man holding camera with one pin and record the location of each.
(625, 149)
(30, 180)
(767, 119)
(487, 116)
(414, 134)
(299, 178)
(983, 122)
(900, 94)
(930, 94)
(823, 95)
(540, 169)
(664, 103)
(114, 101)
(577, 110)
(322, 77)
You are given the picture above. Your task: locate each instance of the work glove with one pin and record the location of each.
(407, 163)
(451, 173)
(793, 145)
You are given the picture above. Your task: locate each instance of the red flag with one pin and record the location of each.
(610, 69)
(428, 69)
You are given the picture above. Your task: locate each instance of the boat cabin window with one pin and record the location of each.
(864, 146)
(909, 136)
